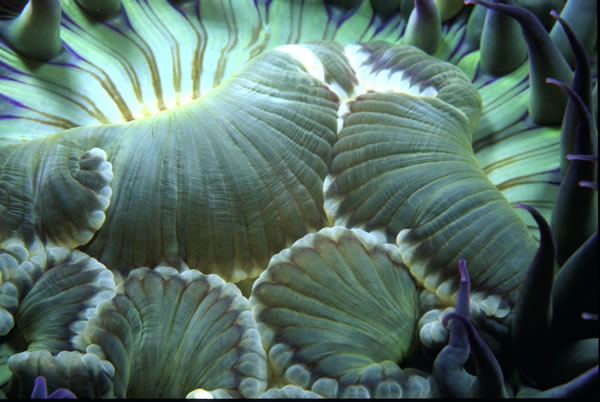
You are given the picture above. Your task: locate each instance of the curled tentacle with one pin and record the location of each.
(533, 308)
(576, 204)
(575, 290)
(490, 380)
(546, 105)
(581, 16)
(582, 86)
(448, 368)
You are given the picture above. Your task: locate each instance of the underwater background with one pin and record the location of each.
(298, 198)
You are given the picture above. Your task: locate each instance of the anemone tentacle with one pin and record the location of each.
(533, 307)
(502, 46)
(574, 203)
(580, 16)
(36, 32)
(582, 86)
(219, 141)
(545, 61)
(424, 26)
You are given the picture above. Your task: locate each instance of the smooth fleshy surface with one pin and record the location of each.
(213, 135)
(259, 166)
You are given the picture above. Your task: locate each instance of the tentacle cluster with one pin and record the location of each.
(269, 199)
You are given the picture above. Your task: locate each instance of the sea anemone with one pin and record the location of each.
(270, 198)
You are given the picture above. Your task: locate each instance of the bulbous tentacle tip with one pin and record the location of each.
(100, 9)
(35, 33)
(449, 8)
(424, 28)
(503, 48)
(580, 18)
(546, 105)
(39, 388)
(475, 25)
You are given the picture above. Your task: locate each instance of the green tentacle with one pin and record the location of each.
(35, 33)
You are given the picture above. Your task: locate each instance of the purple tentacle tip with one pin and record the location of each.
(464, 290)
(39, 388)
(589, 316)
(40, 391)
(588, 184)
(578, 157)
(462, 268)
(62, 393)
(448, 317)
